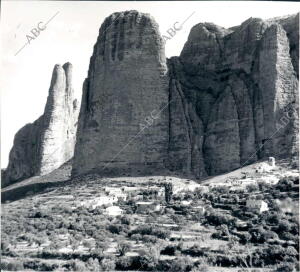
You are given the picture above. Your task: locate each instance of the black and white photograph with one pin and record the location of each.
(150, 136)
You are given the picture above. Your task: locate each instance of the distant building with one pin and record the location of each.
(203, 189)
(257, 205)
(237, 189)
(266, 166)
(147, 206)
(185, 203)
(114, 211)
(199, 210)
(288, 206)
(241, 224)
(271, 161)
(113, 190)
(99, 201)
(220, 184)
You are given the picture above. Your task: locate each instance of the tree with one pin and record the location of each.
(284, 226)
(235, 199)
(182, 264)
(245, 238)
(126, 220)
(136, 237)
(87, 244)
(169, 250)
(93, 264)
(217, 219)
(168, 192)
(286, 267)
(78, 265)
(74, 243)
(123, 248)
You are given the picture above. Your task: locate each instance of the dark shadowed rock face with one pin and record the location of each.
(46, 144)
(223, 99)
(126, 90)
(243, 84)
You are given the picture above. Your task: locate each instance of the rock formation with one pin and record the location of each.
(47, 143)
(126, 91)
(243, 84)
(231, 98)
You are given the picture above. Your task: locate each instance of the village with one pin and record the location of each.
(131, 218)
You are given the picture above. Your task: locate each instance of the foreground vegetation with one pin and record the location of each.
(54, 232)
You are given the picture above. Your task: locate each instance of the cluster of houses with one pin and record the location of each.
(112, 195)
(146, 199)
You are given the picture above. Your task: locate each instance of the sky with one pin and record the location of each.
(70, 36)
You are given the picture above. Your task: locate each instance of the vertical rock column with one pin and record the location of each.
(47, 143)
(126, 90)
(278, 84)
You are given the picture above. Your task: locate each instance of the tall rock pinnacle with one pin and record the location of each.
(126, 90)
(47, 143)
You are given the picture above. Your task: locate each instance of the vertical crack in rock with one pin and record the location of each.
(186, 131)
(222, 139)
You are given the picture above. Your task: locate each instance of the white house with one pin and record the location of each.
(257, 205)
(186, 202)
(114, 210)
(199, 209)
(114, 190)
(99, 201)
(146, 206)
(266, 166)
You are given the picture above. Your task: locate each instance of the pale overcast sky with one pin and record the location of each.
(71, 35)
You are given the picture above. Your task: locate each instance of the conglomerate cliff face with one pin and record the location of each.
(47, 143)
(243, 84)
(125, 92)
(229, 99)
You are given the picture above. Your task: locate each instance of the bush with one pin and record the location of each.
(123, 248)
(169, 250)
(182, 264)
(93, 264)
(288, 236)
(252, 188)
(15, 265)
(149, 239)
(149, 230)
(217, 219)
(195, 251)
(124, 263)
(78, 265)
(107, 264)
(284, 226)
(125, 220)
(287, 267)
(115, 228)
(245, 238)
